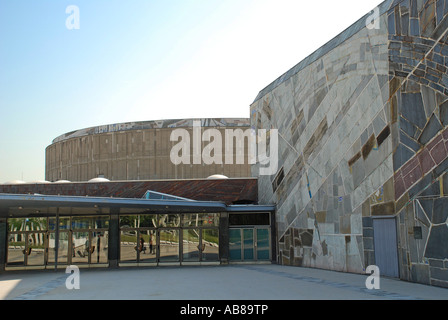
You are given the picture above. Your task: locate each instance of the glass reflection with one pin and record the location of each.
(81, 247)
(169, 245)
(191, 245)
(235, 244)
(27, 224)
(201, 219)
(138, 221)
(147, 246)
(128, 246)
(35, 250)
(210, 245)
(16, 249)
(169, 220)
(99, 247)
(63, 248)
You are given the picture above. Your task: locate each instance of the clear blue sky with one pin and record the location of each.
(140, 60)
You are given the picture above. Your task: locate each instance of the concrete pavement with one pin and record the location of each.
(233, 282)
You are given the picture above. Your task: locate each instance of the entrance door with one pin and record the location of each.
(168, 245)
(89, 247)
(386, 249)
(249, 244)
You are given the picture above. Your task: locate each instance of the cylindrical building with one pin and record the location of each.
(141, 151)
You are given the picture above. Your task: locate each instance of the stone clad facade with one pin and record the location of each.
(363, 138)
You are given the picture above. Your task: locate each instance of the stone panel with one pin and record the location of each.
(368, 125)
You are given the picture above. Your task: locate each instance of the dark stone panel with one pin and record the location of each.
(413, 8)
(391, 23)
(441, 168)
(431, 129)
(436, 247)
(383, 136)
(307, 238)
(441, 28)
(427, 205)
(433, 189)
(383, 209)
(367, 232)
(420, 273)
(401, 156)
(407, 127)
(316, 139)
(368, 243)
(439, 274)
(355, 158)
(412, 109)
(409, 142)
(367, 222)
(440, 212)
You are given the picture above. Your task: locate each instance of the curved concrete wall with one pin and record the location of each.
(134, 151)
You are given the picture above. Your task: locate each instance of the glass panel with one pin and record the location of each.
(15, 225)
(99, 247)
(201, 219)
(81, 247)
(100, 222)
(139, 221)
(249, 219)
(263, 246)
(169, 245)
(16, 249)
(128, 245)
(235, 244)
(36, 249)
(169, 220)
(82, 223)
(210, 244)
(27, 224)
(248, 250)
(148, 221)
(191, 245)
(148, 254)
(64, 223)
(62, 248)
(128, 221)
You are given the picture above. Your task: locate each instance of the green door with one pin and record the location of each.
(235, 244)
(263, 244)
(249, 244)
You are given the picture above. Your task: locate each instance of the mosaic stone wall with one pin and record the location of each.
(361, 136)
(418, 54)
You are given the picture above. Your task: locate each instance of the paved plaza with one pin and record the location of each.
(233, 282)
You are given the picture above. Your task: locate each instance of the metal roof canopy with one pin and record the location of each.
(15, 205)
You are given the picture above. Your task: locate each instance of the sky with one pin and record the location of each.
(141, 60)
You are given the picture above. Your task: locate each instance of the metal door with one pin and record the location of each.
(386, 248)
(249, 244)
